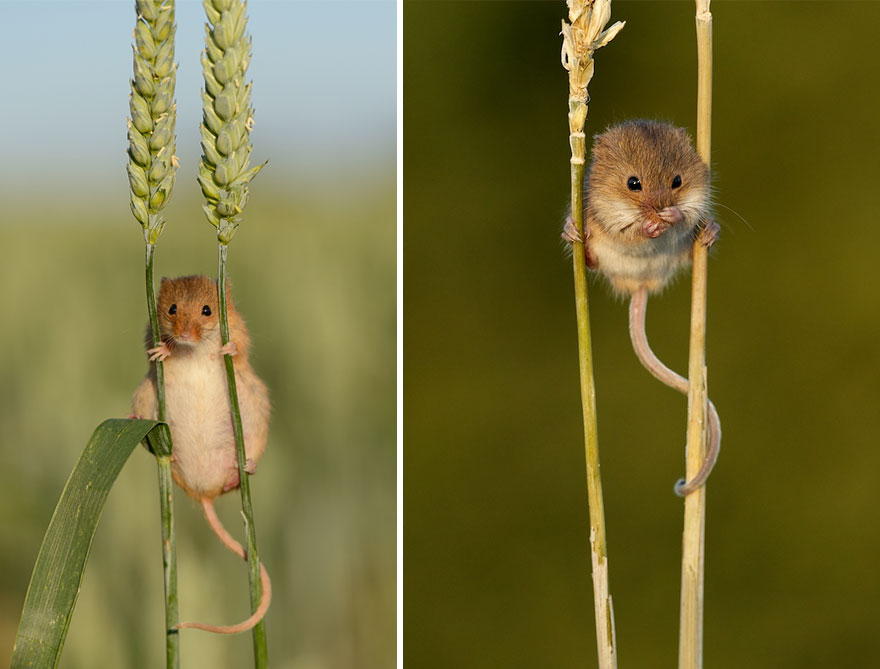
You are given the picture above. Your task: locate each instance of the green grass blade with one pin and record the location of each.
(61, 562)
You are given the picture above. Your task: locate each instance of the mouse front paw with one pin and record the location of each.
(229, 349)
(671, 215)
(709, 233)
(159, 353)
(571, 234)
(653, 228)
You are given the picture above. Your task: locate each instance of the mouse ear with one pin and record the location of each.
(685, 135)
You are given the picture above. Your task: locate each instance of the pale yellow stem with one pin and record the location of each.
(690, 648)
(604, 611)
(581, 38)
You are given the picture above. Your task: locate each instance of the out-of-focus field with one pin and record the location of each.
(496, 534)
(314, 276)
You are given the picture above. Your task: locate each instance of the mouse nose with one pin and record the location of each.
(187, 334)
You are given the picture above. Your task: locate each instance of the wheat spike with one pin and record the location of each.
(227, 117)
(152, 163)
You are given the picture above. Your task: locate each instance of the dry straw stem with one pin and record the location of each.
(690, 649)
(582, 35)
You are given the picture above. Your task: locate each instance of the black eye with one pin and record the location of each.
(633, 183)
(676, 182)
(206, 310)
(173, 309)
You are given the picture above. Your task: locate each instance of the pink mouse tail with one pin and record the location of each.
(637, 308)
(235, 547)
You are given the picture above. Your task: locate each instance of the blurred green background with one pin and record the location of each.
(312, 270)
(496, 534)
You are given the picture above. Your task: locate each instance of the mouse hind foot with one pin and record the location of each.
(233, 480)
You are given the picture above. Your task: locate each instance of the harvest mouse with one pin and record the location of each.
(646, 200)
(204, 461)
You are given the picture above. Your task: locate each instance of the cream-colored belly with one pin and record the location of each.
(649, 263)
(197, 403)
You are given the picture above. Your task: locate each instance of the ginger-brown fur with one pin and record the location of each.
(643, 237)
(204, 461)
(646, 200)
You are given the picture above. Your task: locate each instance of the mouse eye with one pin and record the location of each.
(173, 309)
(633, 183)
(206, 310)
(676, 182)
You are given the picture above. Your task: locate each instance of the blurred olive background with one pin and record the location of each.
(496, 536)
(312, 270)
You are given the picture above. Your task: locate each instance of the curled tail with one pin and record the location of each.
(235, 547)
(637, 308)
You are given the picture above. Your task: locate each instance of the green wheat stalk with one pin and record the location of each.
(152, 167)
(224, 175)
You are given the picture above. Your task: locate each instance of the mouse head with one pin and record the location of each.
(646, 177)
(188, 310)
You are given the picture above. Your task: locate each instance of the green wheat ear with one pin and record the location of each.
(228, 117)
(152, 163)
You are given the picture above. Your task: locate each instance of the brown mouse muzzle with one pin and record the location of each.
(188, 335)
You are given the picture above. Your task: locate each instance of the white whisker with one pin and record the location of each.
(738, 215)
